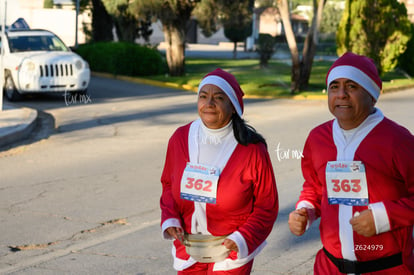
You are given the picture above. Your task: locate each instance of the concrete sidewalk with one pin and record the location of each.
(16, 123)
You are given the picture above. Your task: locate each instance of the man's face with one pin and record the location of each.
(349, 102)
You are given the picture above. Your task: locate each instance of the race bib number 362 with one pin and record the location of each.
(346, 183)
(199, 183)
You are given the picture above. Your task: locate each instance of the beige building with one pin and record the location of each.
(409, 4)
(60, 20)
(269, 21)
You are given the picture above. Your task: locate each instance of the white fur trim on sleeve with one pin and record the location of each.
(166, 224)
(310, 209)
(382, 222)
(238, 238)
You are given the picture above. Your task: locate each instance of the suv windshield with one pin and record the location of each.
(36, 43)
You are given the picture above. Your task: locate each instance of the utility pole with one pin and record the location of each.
(3, 34)
(76, 30)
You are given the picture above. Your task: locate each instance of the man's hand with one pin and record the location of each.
(364, 223)
(298, 220)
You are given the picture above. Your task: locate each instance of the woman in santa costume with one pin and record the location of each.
(359, 179)
(219, 199)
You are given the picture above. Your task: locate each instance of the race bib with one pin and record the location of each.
(199, 183)
(346, 183)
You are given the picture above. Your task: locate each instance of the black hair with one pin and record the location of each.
(244, 133)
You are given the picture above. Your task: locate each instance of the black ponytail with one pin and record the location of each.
(244, 133)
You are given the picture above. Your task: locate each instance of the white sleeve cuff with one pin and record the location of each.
(169, 223)
(241, 244)
(310, 209)
(382, 222)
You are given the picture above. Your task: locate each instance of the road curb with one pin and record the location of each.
(18, 129)
(141, 80)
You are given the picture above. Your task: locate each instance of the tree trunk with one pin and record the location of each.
(301, 69)
(101, 22)
(293, 47)
(309, 48)
(234, 50)
(175, 52)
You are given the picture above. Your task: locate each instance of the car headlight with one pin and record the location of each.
(79, 64)
(28, 66)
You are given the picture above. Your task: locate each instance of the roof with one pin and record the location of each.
(18, 32)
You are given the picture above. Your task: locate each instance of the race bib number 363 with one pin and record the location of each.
(199, 183)
(346, 183)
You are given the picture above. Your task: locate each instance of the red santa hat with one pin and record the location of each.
(358, 68)
(228, 84)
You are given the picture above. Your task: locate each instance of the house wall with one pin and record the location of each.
(60, 21)
(270, 22)
(158, 36)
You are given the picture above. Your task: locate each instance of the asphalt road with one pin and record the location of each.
(81, 195)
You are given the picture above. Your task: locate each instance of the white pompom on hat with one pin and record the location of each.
(228, 84)
(358, 68)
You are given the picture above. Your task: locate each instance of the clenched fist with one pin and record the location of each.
(298, 221)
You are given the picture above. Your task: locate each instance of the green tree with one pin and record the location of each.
(266, 48)
(125, 20)
(264, 3)
(379, 29)
(206, 13)
(145, 30)
(83, 4)
(174, 16)
(129, 25)
(332, 15)
(48, 4)
(101, 22)
(406, 60)
(237, 20)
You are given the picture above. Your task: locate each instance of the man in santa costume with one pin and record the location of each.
(359, 179)
(219, 199)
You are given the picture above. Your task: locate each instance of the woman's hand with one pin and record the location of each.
(176, 232)
(230, 245)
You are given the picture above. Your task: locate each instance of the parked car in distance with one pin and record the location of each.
(37, 61)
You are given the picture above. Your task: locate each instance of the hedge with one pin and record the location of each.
(122, 58)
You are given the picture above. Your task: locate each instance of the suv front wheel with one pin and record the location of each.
(10, 89)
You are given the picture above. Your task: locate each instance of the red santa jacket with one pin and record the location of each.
(247, 199)
(388, 154)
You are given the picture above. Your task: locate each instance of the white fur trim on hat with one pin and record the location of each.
(225, 87)
(355, 74)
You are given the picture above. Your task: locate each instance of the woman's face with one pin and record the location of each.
(214, 107)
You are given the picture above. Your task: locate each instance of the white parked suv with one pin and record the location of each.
(37, 61)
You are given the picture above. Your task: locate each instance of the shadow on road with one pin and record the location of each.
(105, 90)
